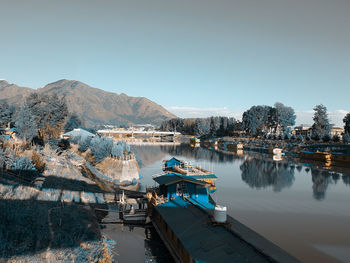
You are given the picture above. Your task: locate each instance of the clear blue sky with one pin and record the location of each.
(186, 53)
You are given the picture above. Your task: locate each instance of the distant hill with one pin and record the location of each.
(94, 105)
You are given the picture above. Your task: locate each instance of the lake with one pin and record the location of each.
(301, 207)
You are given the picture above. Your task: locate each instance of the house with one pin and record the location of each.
(77, 132)
(337, 131)
(173, 185)
(304, 130)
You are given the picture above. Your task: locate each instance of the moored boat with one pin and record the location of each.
(318, 156)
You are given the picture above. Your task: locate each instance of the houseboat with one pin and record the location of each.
(177, 166)
(195, 229)
(318, 156)
(195, 140)
(340, 158)
(233, 147)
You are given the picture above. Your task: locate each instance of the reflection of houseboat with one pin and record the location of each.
(276, 151)
(233, 147)
(194, 140)
(195, 229)
(176, 166)
(318, 156)
(341, 158)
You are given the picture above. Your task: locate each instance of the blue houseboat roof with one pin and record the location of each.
(172, 178)
(203, 241)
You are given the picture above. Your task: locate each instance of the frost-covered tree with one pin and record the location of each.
(22, 163)
(26, 123)
(49, 111)
(326, 138)
(255, 119)
(84, 143)
(300, 137)
(101, 148)
(117, 150)
(6, 113)
(73, 122)
(280, 117)
(321, 125)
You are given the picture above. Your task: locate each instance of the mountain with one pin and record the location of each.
(13, 93)
(94, 105)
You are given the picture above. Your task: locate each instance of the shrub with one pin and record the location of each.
(101, 148)
(336, 138)
(293, 137)
(117, 150)
(287, 136)
(326, 138)
(316, 137)
(300, 138)
(84, 143)
(38, 162)
(21, 164)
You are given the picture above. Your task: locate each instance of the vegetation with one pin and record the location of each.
(346, 121)
(212, 126)
(321, 126)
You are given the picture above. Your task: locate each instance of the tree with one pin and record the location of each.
(280, 117)
(26, 124)
(326, 138)
(73, 122)
(346, 138)
(49, 111)
(84, 143)
(117, 150)
(101, 148)
(6, 113)
(321, 125)
(336, 138)
(255, 119)
(300, 138)
(346, 121)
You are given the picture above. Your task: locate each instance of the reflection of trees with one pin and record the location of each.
(263, 173)
(346, 179)
(320, 182)
(199, 153)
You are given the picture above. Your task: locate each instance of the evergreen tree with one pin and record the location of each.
(26, 124)
(346, 121)
(6, 113)
(321, 125)
(73, 122)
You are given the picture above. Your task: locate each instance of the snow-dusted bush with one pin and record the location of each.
(300, 138)
(84, 143)
(101, 148)
(21, 164)
(74, 139)
(117, 150)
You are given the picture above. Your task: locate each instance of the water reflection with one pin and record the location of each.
(257, 170)
(264, 173)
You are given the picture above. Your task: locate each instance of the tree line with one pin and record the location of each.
(40, 118)
(211, 126)
(260, 120)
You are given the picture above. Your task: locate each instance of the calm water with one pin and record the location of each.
(303, 208)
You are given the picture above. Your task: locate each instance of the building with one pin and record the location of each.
(337, 131)
(77, 132)
(304, 130)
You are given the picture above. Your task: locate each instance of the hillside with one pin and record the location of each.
(94, 105)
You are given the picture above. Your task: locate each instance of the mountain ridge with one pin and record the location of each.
(95, 106)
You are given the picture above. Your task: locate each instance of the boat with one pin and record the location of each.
(195, 229)
(318, 156)
(233, 147)
(194, 140)
(177, 166)
(340, 158)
